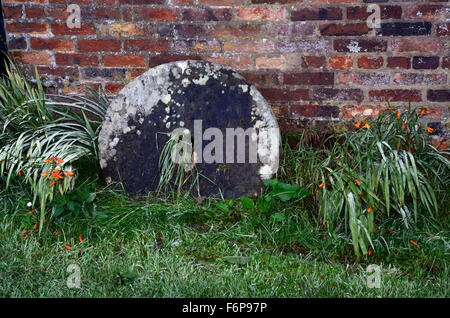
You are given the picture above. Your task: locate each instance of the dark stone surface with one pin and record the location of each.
(218, 96)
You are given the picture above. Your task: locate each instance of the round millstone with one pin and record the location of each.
(179, 95)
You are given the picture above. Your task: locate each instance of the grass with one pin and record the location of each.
(179, 249)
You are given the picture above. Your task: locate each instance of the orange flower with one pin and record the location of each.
(68, 247)
(392, 231)
(429, 234)
(399, 115)
(68, 173)
(412, 242)
(24, 232)
(19, 173)
(321, 185)
(35, 225)
(422, 112)
(81, 240)
(370, 209)
(59, 160)
(367, 126)
(430, 130)
(358, 124)
(404, 126)
(118, 238)
(32, 211)
(53, 183)
(45, 175)
(57, 233)
(369, 252)
(358, 182)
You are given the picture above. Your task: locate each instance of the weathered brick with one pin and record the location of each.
(284, 95)
(425, 62)
(340, 62)
(27, 27)
(419, 45)
(76, 59)
(314, 111)
(310, 78)
(443, 29)
(359, 45)
(438, 95)
(124, 60)
(249, 46)
(313, 61)
(304, 14)
(146, 45)
(370, 63)
(262, 79)
(369, 79)
(387, 12)
(36, 58)
(250, 14)
(427, 12)
(201, 14)
(395, 95)
(344, 29)
(420, 79)
(271, 63)
(99, 45)
(446, 62)
(399, 62)
(51, 44)
(404, 29)
(360, 111)
(337, 95)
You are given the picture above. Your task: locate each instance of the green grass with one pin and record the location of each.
(290, 258)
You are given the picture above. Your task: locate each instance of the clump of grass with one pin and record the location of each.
(386, 168)
(35, 127)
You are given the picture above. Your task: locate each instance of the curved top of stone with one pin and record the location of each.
(165, 98)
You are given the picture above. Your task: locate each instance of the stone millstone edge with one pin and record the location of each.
(131, 100)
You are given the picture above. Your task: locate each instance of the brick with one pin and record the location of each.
(280, 95)
(418, 45)
(359, 45)
(368, 79)
(307, 14)
(156, 14)
(425, 62)
(222, 31)
(395, 95)
(162, 59)
(52, 44)
(314, 111)
(36, 58)
(446, 62)
(146, 45)
(399, 62)
(370, 63)
(17, 43)
(320, 46)
(340, 62)
(310, 78)
(313, 61)
(443, 29)
(262, 79)
(237, 63)
(99, 45)
(26, 27)
(190, 31)
(76, 59)
(124, 60)
(337, 95)
(271, 63)
(62, 29)
(113, 88)
(387, 12)
(427, 12)
(439, 95)
(141, 2)
(197, 14)
(119, 30)
(249, 46)
(404, 29)
(251, 14)
(419, 79)
(360, 111)
(196, 46)
(12, 12)
(112, 74)
(334, 29)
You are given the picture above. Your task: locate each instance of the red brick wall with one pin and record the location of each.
(312, 59)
